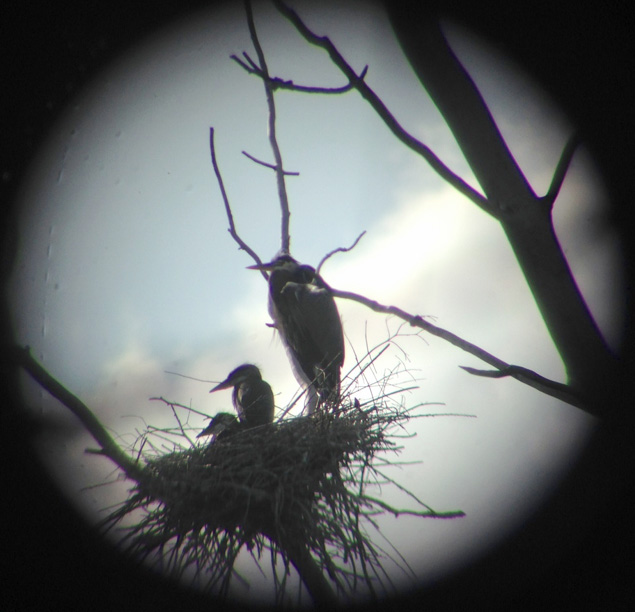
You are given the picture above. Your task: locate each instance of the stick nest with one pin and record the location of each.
(293, 486)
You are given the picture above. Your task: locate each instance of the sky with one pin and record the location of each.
(127, 273)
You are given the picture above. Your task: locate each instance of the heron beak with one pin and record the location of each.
(208, 431)
(261, 266)
(226, 384)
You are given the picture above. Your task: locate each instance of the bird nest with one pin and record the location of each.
(296, 488)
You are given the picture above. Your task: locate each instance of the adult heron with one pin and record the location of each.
(304, 313)
(252, 397)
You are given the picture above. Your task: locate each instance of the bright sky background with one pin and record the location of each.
(127, 269)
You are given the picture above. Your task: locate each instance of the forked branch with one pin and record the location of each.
(380, 108)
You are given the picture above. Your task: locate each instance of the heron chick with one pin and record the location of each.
(221, 426)
(252, 397)
(304, 313)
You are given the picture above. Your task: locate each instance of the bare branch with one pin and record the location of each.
(251, 62)
(291, 86)
(23, 358)
(520, 372)
(524, 375)
(371, 97)
(561, 170)
(450, 514)
(288, 84)
(285, 238)
(266, 165)
(230, 217)
(339, 250)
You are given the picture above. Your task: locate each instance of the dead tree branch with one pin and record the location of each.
(339, 250)
(230, 217)
(524, 375)
(285, 238)
(380, 108)
(289, 85)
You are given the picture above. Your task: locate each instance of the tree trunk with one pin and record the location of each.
(525, 218)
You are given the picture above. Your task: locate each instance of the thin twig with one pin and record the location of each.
(289, 85)
(266, 165)
(380, 108)
(285, 238)
(339, 250)
(528, 377)
(450, 514)
(230, 217)
(561, 170)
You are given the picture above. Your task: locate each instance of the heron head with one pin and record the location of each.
(241, 374)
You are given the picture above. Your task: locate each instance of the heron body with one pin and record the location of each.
(304, 313)
(252, 397)
(221, 426)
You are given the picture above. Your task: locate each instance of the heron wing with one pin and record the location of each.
(257, 405)
(315, 329)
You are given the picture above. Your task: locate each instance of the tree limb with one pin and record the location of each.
(524, 217)
(380, 108)
(23, 358)
(521, 373)
(524, 375)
